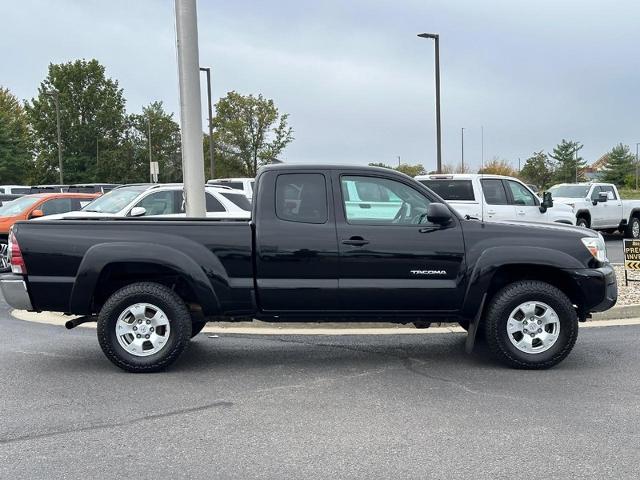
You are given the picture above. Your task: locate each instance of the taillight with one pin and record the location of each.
(15, 255)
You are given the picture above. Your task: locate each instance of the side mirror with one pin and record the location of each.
(36, 214)
(547, 201)
(603, 197)
(138, 212)
(439, 214)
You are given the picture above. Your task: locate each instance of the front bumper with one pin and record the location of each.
(15, 293)
(599, 287)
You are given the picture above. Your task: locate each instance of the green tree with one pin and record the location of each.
(411, 170)
(620, 162)
(570, 167)
(92, 118)
(456, 168)
(249, 132)
(538, 169)
(14, 140)
(498, 166)
(165, 143)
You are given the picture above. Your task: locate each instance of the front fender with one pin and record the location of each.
(98, 257)
(494, 258)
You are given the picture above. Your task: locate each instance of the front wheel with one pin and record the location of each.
(582, 222)
(144, 327)
(531, 325)
(633, 228)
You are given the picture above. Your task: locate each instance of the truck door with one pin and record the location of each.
(391, 257)
(613, 207)
(295, 242)
(599, 210)
(527, 205)
(496, 202)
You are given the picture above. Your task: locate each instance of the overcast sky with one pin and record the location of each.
(356, 81)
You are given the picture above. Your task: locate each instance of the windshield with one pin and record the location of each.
(570, 191)
(115, 200)
(17, 206)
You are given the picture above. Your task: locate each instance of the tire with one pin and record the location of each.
(4, 257)
(633, 228)
(582, 222)
(503, 313)
(140, 307)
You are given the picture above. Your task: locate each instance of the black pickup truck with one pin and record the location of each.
(324, 243)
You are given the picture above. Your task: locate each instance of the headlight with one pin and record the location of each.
(596, 247)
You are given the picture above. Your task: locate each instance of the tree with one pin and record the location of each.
(14, 140)
(165, 142)
(620, 163)
(570, 167)
(538, 169)
(407, 169)
(249, 132)
(459, 168)
(92, 117)
(498, 166)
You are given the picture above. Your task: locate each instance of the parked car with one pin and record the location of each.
(161, 200)
(92, 187)
(505, 198)
(15, 189)
(598, 206)
(244, 184)
(311, 253)
(48, 189)
(35, 206)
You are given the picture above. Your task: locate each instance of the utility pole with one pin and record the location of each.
(482, 145)
(436, 39)
(212, 166)
(398, 160)
(462, 160)
(56, 100)
(149, 142)
(637, 165)
(190, 107)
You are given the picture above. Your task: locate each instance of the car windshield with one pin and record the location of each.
(115, 200)
(238, 199)
(570, 191)
(17, 206)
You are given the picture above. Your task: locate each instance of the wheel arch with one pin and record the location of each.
(584, 214)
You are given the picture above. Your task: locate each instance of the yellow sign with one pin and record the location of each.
(632, 254)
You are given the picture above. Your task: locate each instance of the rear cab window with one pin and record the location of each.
(451, 190)
(302, 197)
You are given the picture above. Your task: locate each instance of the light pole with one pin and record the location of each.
(56, 100)
(436, 38)
(462, 159)
(637, 165)
(212, 166)
(149, 142)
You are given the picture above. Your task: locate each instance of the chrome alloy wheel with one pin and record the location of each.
(635, 229)
(4, 257)
(142, 329)
(533, 327)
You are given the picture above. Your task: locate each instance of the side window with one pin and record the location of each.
(380, 201)
(159, 203)
(595, 193)
(57, 205)
(521, 195)
(494, 192)
(213, 205)
(611, 194)
(301, 197)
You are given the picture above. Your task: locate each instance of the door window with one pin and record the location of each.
(213, 205)
(381, 201)
(57, 205)
(160, 203)
(611, 194)
(521, 195)
(494, 192)
(301, 197)
(595, 193)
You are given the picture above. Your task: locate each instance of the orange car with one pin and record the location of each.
(32, 206)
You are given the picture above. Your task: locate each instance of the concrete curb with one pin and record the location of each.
(617, 316)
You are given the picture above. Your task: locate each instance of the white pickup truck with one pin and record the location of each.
(505, 198)
(598, 206)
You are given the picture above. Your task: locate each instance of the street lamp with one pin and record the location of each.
(208, 70)
(56, 100)
(462, 160)
(436, 38)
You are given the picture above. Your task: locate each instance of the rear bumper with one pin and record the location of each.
(599, 287)
(15, 293)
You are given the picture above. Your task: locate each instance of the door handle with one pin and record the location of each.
(521, 212)
(491, 212)
(356, 241)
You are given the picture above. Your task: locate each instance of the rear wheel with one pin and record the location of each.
(633, 228)
(144, 327)
(531, 324)
(4, 257)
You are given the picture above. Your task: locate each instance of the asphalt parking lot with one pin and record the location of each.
(393, 406)
(614, 248)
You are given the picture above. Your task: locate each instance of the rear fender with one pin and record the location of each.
(98, 257)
